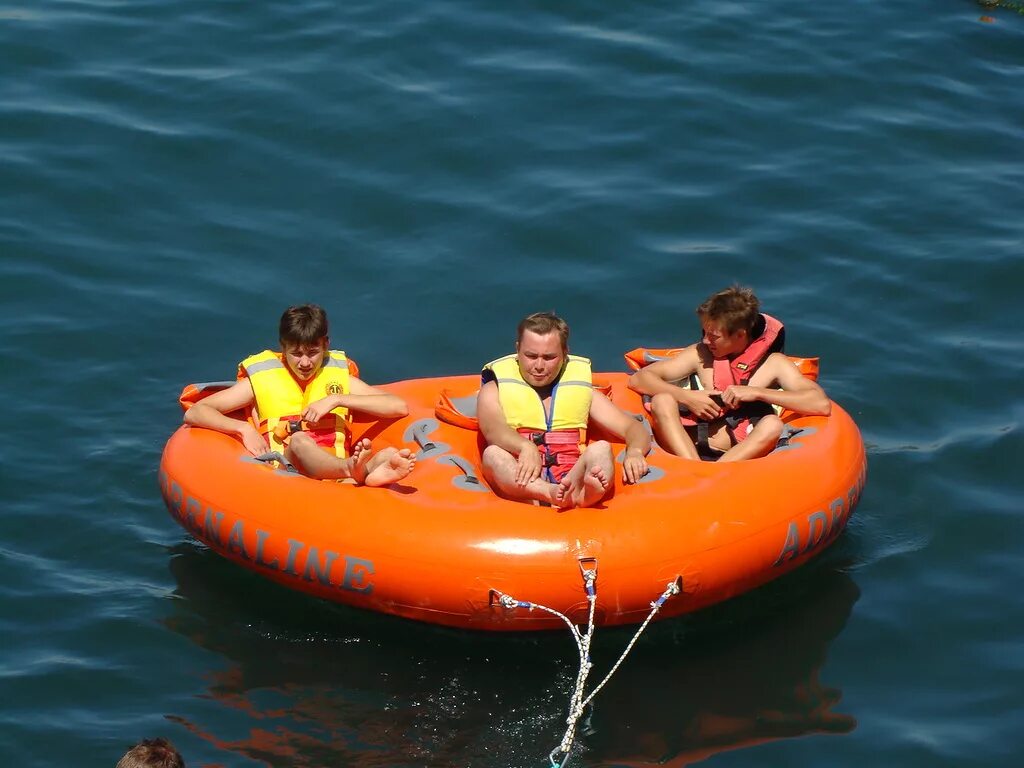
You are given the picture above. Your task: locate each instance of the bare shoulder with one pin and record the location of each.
(489, 413)
(779, 369)
(487, 397)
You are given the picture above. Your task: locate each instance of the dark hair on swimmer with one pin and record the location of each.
(543, 323)
(736, 308)
(303, 324)
(151, 753)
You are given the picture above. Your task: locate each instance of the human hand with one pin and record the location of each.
(253, 441)
(634, 467)
(320, 408)
(528, 464)
(735, 394)
(702, 404)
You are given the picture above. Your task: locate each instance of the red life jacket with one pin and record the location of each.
(738, 371)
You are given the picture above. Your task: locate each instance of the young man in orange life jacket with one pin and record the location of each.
(306, 384)
(737, 372)
(534, 408)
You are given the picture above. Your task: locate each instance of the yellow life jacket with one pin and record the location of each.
(279, 397)
(570, 397)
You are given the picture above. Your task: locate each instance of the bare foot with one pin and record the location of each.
(360, 456)
(569, 490)
(392, 467)
(594, 487)
(563, 494)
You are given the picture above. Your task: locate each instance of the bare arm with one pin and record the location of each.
(493, 425)
(611, 418)
(798, 393)
(361, 398)
(496, 431)
(656, 378)
(210, 413)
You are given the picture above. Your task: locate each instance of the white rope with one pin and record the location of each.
(583, 640)
(671, 589)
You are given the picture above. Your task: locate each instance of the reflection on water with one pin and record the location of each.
(307, 683)
(743, 674)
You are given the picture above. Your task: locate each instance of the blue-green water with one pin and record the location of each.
(173, 174)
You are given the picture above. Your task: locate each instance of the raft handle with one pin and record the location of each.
(465, 467)
(424, 444)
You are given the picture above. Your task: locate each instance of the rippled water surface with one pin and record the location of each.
(174, 174)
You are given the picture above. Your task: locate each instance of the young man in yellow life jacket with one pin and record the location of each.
(737, 373)
(534, 408)
(307, 383)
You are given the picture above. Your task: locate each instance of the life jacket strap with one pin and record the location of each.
(702, 438)
(555, 437)
(558, 448)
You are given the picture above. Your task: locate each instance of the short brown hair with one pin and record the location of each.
(736, 308)
(151, 753)
(303, 324)
(543, 323)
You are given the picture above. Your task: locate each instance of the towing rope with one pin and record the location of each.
(577, 703)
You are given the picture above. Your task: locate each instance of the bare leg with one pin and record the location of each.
(499, 469)
(759, 442)
(590, 478)
(668, 429)
(312, 461)
(389, 465)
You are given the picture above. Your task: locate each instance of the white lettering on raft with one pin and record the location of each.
(302, 562)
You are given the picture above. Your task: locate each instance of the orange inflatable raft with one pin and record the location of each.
(441, 547)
